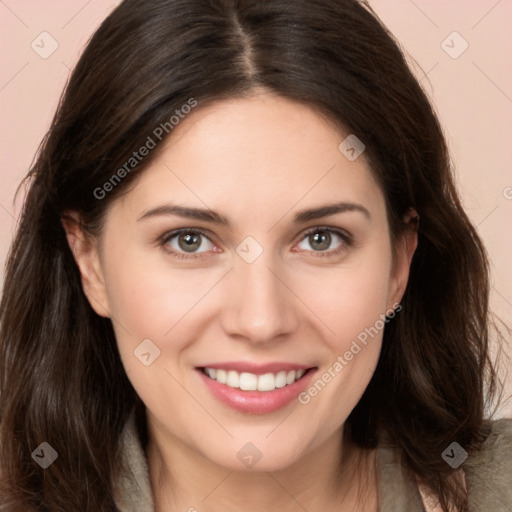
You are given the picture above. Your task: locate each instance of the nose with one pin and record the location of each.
(260, 308)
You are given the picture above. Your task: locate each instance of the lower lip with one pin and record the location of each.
(257, 402)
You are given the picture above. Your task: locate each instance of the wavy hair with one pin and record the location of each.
(61, 377)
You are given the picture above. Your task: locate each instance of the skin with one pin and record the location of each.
(257, 161)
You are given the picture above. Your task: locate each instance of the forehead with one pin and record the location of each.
(254, 157)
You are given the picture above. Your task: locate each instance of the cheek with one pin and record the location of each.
(153, 312)
(350, 299)
(155, 302)
(150, 297)
(351, 302)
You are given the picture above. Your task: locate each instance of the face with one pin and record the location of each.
(248, 273)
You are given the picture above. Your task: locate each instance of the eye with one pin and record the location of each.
(191, 243)
(187, 241)
(325, 240)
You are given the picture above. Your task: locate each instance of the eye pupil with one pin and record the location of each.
(320, 240)
(189, 242)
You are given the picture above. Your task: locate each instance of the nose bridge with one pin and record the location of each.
(260, 306)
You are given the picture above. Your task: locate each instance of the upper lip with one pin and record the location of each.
(256, 368)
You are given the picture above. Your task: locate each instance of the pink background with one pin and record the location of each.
(472, 93)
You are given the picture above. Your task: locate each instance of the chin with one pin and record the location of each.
(255, 456)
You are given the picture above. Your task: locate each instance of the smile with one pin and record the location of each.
(251, 382)
(255, 389)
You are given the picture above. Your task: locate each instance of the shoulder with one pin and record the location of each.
(133, 487)
(489, 470)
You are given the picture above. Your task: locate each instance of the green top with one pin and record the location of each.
(488, 475)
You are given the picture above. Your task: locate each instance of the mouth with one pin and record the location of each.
(247, 381)
(262, 390)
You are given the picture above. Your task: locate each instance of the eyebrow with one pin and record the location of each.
(208, 215)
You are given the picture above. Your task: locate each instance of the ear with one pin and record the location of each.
(403, 254)
(86, 253)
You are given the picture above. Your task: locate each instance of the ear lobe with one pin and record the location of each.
(404, 252)
(84, 248)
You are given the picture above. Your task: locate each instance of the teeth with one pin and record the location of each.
(290, 378)
(251, 382)
(266, 382)
(220, 377)
(211, 372)
(248, 382)
(281, 380)
(233, 380)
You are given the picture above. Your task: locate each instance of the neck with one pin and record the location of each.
(335, 476)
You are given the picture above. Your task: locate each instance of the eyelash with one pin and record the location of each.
(167, 237)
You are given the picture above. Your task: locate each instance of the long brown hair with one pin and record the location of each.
(61, 377)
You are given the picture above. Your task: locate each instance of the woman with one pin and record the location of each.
(243, 279)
